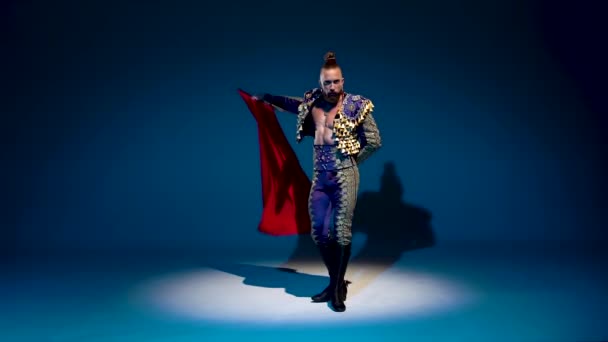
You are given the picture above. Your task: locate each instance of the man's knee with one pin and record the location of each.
(319, 237)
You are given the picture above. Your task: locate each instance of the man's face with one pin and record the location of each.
(332, 84)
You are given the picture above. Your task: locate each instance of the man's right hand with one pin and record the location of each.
(258, 97)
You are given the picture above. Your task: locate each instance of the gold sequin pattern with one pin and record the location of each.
(372, 138)
(344, 129)
(348, 180)
(303, 110)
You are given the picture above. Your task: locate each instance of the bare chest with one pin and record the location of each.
(324, 118)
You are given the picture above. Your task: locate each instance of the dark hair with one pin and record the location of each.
(330, 60)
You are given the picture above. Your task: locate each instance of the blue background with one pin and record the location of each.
(123, 130)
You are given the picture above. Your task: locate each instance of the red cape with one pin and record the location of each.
(285, 186)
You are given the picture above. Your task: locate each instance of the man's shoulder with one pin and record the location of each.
(356, 98)
(357, 106)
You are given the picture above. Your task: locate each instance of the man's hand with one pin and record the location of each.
(258, 97)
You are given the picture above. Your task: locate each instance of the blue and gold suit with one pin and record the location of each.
(335, 182)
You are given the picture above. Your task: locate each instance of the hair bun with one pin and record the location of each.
(330, 56)
(330, 60)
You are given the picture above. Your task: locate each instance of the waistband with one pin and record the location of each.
(328, 158)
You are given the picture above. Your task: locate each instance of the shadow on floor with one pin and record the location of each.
(295, 283)
(391, 225)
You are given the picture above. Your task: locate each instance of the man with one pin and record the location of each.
(345, 134)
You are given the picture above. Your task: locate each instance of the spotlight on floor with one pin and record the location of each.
(267, 293)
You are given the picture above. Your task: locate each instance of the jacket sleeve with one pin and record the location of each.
(369, 138)
(284, 103)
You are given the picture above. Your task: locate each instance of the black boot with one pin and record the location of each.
(342, 283)
(328, 253)
(339, 290)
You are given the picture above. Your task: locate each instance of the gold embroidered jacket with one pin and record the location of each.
(355, 129)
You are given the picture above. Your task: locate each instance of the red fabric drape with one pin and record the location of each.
(285, 186)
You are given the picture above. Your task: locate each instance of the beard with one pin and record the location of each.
(333, 96)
